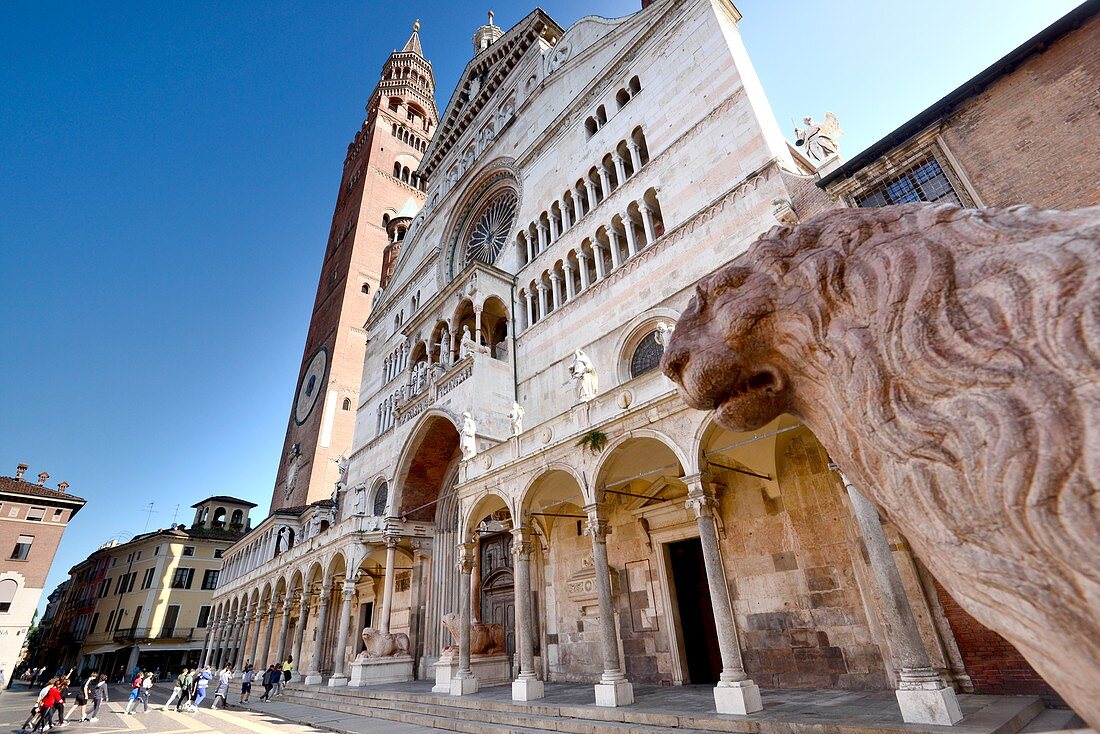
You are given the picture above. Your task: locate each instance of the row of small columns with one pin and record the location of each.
(555, 287)
(549, 232)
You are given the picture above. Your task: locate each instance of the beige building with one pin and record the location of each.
(147, 601)
(33, 518)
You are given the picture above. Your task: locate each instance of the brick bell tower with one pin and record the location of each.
(379, 184)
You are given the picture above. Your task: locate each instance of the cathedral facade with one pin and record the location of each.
(524, 497)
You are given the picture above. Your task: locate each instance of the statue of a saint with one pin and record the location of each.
(516, 416)
(663, 334)
(468, 441)
(360, 499)
(466, 346)
(284, 540)
(819, 140)
(583, 374)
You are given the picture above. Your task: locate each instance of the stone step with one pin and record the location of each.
(1054, 720)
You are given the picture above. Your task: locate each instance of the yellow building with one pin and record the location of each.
(147, 601)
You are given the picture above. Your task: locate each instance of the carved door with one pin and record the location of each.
(498, 596)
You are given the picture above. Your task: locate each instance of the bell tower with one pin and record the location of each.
(379, 183)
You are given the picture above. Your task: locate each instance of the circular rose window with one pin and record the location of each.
(490, 228)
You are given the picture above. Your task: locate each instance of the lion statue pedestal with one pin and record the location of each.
(385, 659)
(488, 660)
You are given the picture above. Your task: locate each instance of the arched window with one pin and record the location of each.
(622, 98)
(219, 517)
(237, 518)
(366, 287)
(647, 355)
(8, 587)
(635, 86)
(381, 497)
(347, 403)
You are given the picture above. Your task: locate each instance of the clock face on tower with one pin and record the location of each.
(313, 380)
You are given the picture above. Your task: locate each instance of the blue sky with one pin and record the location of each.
(167, 177)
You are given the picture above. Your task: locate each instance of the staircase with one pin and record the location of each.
(688, 710)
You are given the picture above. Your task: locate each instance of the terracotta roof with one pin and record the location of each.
(225, 498)
(22, 486)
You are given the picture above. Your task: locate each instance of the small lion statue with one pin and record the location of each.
(949, 361)
(380, 645)
(485, 639)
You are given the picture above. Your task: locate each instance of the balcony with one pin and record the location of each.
(150, 634)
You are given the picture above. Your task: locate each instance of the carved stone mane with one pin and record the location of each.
(485, 639)
(949, 361)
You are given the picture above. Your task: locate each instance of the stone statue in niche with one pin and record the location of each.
(468, 437)
(378, 645)
(819, 139)
(342, 481)
(972, 422)
(284, 540)
(360, 499)
(582, 373)
(466, 346)
(516, 417)
(485, 639)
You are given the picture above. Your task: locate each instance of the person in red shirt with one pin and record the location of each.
(51, 699)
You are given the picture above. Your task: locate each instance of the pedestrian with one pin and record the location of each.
(268, 681)
(246, 684)
(48, 704)
(203, 681)
(135, 691)
(146, 690)
(59, 706)
(188, 689)
(38, 711)
(99, 695)
(177, 689)
(82, 695)
(288, 668)
(221, 693)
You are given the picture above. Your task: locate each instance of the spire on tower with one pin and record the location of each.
(413, 44)
(486, 35)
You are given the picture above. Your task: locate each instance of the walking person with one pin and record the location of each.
(135, 691)
(268, 681)
(246, 684)
(48, 703)
(38, 712)
(203, 681)
(99, 695)
(59, 706)
(82, 695)
(146, 690)
(288, 668)
(221, 693)
(177, 689)
(188, 689)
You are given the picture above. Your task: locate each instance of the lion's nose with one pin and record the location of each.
(673, 362)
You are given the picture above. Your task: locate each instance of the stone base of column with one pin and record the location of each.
(314, 679)
(615, 693)
(937, 706)
(368, 671)
(295, 677)
(741, 697)
(338, 680)
(527, 689)
(463, 686)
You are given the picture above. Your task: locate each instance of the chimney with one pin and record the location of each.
(42, 477)
(62, 486)
(19, 470)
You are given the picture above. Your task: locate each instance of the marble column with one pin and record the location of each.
(340, 665)
(597, 259)
(569, 291)
(314, 677)
(526, 686)
(542, 235)
(590, 189)
(238, 648)
(555, 283)
(555, 231)
(254, 624)
(284, 626)
(541, 286)
(613, 235)
(211, 631)
(922, 695)
(464, 683)
(577, 210)
(477, 325)
(582, 264)
(299, 635)
(631, 243)
(530, 247)
(263, 654)
(388, 586)
(620, 167)
(530, 308)
(635, 155)
(613, 689)
(647, 223)
(735, 692)
(605, 183)
(220, 643)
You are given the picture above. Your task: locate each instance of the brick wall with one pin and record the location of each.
(993, 664)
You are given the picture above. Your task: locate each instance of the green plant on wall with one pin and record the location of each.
(593, 441)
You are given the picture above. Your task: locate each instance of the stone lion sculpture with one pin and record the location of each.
(949, 361)
(379, 645)
(485, 639)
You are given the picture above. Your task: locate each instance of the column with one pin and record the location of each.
(340, 665)
(263, 654)
(219, 651)
(635, 155)
(590, 188)
(582, 264)
(597, 258)
(256, 620)
(235, 660)
(620, 168)
(922, 695)
(530, 308)
(613, 689)
(464, 683)
(554, 231)
(541, 286)
(530, 246)
(735, 692)
(526, 686)
(647, 223)
(605, 181)
(542, 235)
(284, 626)
(314, 676)
(555, 282)
(577, 209)
(299, 634)
(211, 631)
(477, 325)
(567, 220)
(568, 268)
(631, 244)
(613, 235)
(387, 588)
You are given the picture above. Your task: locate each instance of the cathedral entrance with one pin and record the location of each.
(689, 576)
(498, 595)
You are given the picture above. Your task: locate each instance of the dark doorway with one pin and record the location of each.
(498, 596)
(689, 576)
